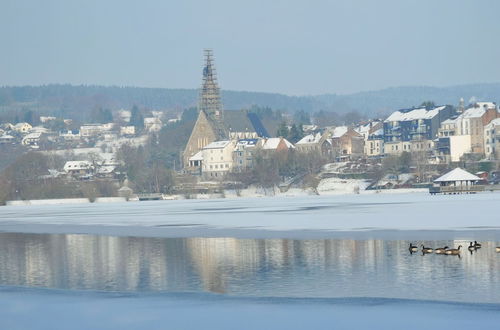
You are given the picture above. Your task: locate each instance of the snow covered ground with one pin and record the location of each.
(22, 309)
(242, 217)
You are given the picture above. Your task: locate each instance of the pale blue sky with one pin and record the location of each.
(292, 47)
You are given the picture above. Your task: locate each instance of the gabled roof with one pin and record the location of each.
(272, 143)
(414, 114)
(339, 131)
(310, 139)
(243, 121)
(197, 156)
(457, 174)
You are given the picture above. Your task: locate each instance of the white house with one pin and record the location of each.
(32, 140)
(492, 139)
(22, 128)
(152, 124)
(217, 159)
(78, 168)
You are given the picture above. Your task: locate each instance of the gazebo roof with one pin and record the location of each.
(457, 174)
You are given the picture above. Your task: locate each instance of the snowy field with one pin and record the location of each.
(299, 217)
(47, 309)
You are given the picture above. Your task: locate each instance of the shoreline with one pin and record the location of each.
(365, 216)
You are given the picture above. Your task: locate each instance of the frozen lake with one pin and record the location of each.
(281, 263)
(320, 268)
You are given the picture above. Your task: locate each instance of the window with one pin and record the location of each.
(227, 165)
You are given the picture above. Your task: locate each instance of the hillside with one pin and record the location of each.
(77, 101)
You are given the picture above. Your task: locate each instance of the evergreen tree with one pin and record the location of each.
(283, 130)
(295, 134)
(136, 118)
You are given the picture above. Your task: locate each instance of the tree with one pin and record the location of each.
(136, 118)
(283, 130)
(428, 105)
(295, 133)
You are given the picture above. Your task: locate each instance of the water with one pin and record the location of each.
(319, 268)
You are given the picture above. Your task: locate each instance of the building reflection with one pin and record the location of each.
(263, 267)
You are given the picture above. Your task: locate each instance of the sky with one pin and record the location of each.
(292, 47)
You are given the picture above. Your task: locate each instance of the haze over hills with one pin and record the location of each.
(79, 100)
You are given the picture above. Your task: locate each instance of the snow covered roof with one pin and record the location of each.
(311, 138)
(6, 137)
(415, 114)
(457, 174)
(35, 135)
(197, 156)
(272, 143)
(76, 165)
(247, 142)
(339, 131)
(217, 144)
(378, 132)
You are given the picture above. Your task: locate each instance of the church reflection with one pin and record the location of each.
(258, 267)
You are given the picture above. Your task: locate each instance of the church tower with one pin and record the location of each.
(209, 99)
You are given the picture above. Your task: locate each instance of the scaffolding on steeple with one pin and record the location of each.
(209, 98)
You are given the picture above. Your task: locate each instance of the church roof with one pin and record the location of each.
(243, 121)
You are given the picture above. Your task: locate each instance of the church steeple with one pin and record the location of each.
(209, 99)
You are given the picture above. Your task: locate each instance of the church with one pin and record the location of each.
(215, 124)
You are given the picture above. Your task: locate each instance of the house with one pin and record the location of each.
(346, 142)
(70, 135)
(45, 119)
(492, 139)
(217, 159)
(413, 129)
(7, 139)
(369, 128)
(32, 140)
(473, 121)
(128, 131)
(152, 124)
(22, 128)
(79, 168)
(275, 144)
(244, 152)
(91, 130)
(456, 181)
(374, 144)
(315, 143)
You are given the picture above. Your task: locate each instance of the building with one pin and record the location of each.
(152, 124)
(456, 181)
(315, 143)
(32, 140)
(22, 128)
(346, 142)
(473, 121)
(374, 144)
(78, 168)
(214, 124)
(492, 139)
(217, 159)
(413, 129)
(244, 153)
(128, 131)
(278, 144)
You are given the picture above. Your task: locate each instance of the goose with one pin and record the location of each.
(441, 250)
(426, 250)
(413, 248)
(453, 251)
(477, 245)
(471, 247)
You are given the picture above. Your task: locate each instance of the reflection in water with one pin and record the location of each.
(254, 267)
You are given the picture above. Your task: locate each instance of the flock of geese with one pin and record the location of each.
(446, 250)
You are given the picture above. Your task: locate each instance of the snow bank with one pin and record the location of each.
(49, 201)
(305, 213)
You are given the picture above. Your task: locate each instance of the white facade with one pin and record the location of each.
(22, 128)
(217, 159)
(492, 139)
